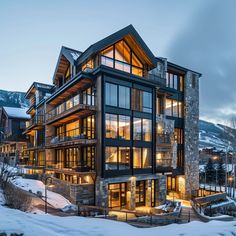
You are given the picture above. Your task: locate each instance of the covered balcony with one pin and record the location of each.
(72, 137)
(82, 104)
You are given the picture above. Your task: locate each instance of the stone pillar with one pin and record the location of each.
(101, 193)
(160, 190)
(148, 193)
(132, 203)
(191, 162)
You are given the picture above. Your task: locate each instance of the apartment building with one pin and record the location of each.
(12, 141)
(119, 125)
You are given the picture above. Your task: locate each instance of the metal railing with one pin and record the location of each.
(36, 120)
(87, 99)
(71, 135)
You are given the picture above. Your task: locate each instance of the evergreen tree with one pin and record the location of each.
(210, 171)
(220, 172)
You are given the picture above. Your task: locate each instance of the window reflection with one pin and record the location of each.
(141, 157)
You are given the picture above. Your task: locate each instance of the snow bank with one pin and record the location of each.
(37, 225)
(36, 186)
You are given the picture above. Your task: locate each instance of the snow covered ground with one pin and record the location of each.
(37, 225)
(54, 199)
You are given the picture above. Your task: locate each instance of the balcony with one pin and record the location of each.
(163, 140)
(67, 168)
(164, 163)
(71, 137)
(73, 107)
(35, 123)
(158, 79)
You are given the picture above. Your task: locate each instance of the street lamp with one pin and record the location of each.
(46, 203)
(215, 158)
(230, 180)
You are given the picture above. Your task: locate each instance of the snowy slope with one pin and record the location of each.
(39, 224)
(215, 135)
(12, 99)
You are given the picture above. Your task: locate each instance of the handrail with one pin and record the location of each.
(70, 103)
(70, 135)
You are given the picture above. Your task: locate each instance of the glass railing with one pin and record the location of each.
(87, 99)
(120, 65)
(163, 139)
(157, 78)
(70, 135)
(163, 163)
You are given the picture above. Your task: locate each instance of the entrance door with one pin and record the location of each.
(140, 193)
(117, 195)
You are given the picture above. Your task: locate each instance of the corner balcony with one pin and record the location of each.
(71, 138)
(34, 123)
(71, 109)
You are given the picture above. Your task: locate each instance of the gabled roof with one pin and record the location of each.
(15, 112)
(132, 37)
(37, 85)
(67, 56)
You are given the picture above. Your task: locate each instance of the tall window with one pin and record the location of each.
(117, 158)
(179, 135)
(121, 57)
(117, 126)
(117, 95)
(142, 100)
(174, 81)
(124, 97)
(142, 129)
(142, 158)
(111, 94)
(111, 126)
(173, 108)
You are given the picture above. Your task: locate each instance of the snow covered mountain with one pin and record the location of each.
(215, 135)
(13, 99)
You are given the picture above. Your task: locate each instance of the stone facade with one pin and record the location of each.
(102, 191)
(76, 193)
(191, 119)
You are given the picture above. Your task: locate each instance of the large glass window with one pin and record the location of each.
(115, 98)
(117, 126)
(111, 126)
(142, 129)
(141, 100)
(124, 97)
(174, 81)
(124, 127)
(119, 57)
(117, 195)
(140, 193)
(142, 158)
(117, 158)
(173, 108)
(111, 94)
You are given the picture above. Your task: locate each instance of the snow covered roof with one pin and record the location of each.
(16, 112)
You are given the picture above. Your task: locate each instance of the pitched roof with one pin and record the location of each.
(129, 32)
(66, 56)
(15, 112)
(37, 85)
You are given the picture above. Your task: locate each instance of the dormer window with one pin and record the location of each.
(121, 57)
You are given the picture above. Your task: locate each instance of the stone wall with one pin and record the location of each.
(102, 189)
(76, 193)
(191, 120)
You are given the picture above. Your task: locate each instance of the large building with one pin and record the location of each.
(12, 141)
(119, 127)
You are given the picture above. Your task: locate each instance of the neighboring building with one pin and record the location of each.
(121, 126)
(35, 129)
(12, 141)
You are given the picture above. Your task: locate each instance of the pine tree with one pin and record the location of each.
(210, 171)
(220, 172)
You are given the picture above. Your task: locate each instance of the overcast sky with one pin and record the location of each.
(198, 34)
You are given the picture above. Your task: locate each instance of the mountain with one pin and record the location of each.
(216, 135)
(13, 99)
